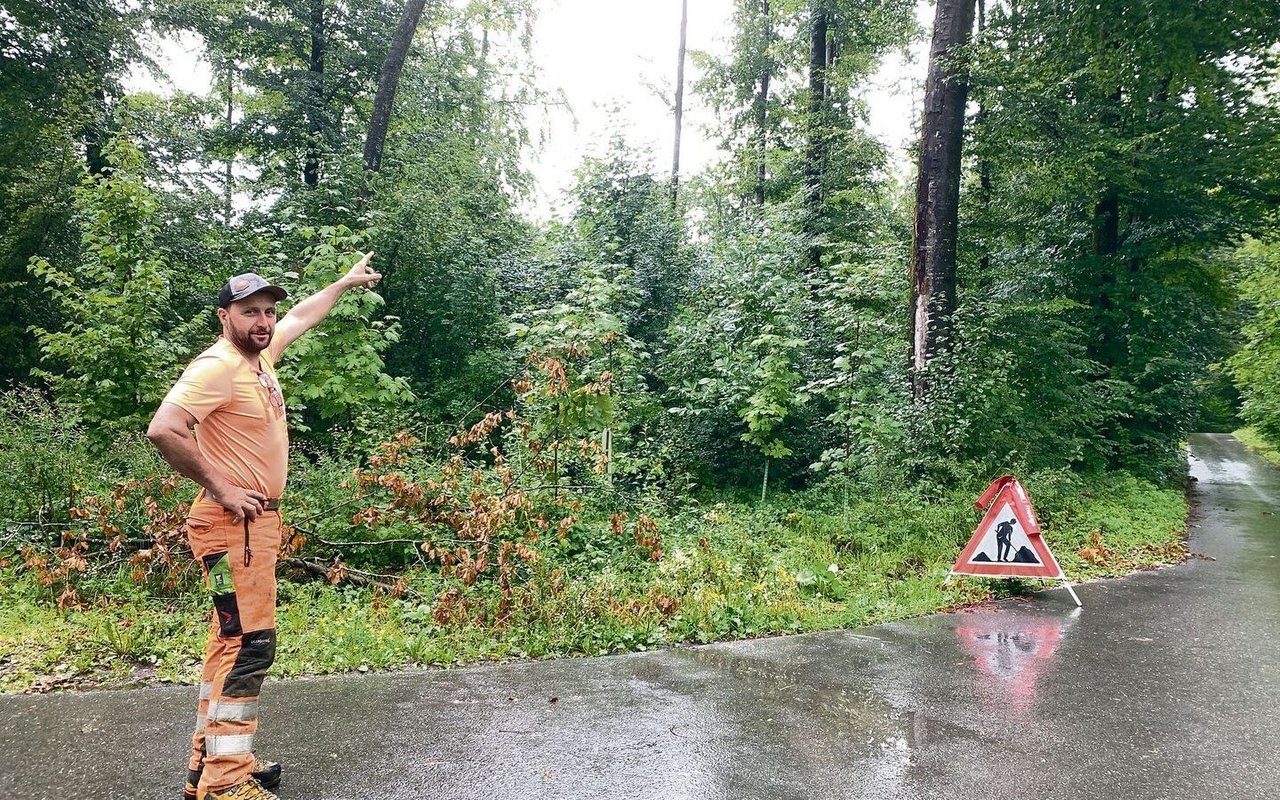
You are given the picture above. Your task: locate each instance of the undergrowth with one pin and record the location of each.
(821, 559)
(1254, 440)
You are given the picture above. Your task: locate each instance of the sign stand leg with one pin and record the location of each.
(1072, 592)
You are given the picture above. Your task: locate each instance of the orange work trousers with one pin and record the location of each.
(240, 570)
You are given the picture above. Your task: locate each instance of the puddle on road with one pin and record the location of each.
(1222, 470)
(1012, 653)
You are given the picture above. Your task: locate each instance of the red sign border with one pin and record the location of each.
(1008, 489)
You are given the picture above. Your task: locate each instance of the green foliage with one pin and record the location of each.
(1256, 366)
(809, 561)
(624, 217)
(1024, 395)
(776, 390)
(1251, 438)
(46, 451)
(635, 365)
(585, 371)
(858, 370)
(336, 372)
(119, 343)
(730, 355)
(1108, 157)
(774, 39)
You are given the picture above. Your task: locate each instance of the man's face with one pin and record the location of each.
(250, 323)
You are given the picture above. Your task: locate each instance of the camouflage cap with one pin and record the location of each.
(241, 286)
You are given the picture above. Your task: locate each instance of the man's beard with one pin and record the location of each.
(246, 343)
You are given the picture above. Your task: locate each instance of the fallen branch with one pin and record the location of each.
(356, 577)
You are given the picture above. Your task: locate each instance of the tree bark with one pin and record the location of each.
(316, 102)
(984, 166)
(815, 158)
(762, 101)
(675, 152)
(933, 262)
(229, 185)
(95, 134)
(388, 81)
(1105, 345)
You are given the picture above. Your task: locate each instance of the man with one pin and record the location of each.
(223, 426)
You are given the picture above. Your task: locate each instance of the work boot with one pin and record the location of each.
(265, 772)
(249, 790)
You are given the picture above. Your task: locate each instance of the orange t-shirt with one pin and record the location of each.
(240, 424)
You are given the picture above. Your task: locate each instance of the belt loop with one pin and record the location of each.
(248, 554)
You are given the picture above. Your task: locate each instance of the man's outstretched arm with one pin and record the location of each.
(311, 311)
(170, 431)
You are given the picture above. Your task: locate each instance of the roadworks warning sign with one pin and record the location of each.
(1007, 542)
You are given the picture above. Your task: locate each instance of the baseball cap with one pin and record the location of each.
(241, 286)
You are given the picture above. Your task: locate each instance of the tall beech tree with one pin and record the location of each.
(821, 56)
(679, 103)
(933, 255)
(388, 80)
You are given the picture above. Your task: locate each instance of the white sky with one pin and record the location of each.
(603, 53)
(613, 53)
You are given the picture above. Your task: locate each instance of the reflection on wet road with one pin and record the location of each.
(1012, 653)
(1163, 686)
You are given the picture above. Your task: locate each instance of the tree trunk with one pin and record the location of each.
(316, 102)
(95, 133)
(675, 152)
(984, 166)
(229, 186)
(388, 81)
(762, 101)
(815, 158)
(1106, 343)
(933, 261)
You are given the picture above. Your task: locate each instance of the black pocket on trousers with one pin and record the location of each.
(217, 569)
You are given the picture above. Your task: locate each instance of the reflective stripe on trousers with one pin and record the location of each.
(228, 745)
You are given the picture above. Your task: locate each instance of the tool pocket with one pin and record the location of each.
(217, 571)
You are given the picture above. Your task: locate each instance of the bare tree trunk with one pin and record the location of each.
(388, 81)
(95, 133)
(315, 108)
(984, 166)
(762, 101)
(815, 158)
(229, 186)
(675, 153)
(933, 262)
(1106, 246)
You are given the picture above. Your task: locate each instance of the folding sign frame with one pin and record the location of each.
(1007, 543)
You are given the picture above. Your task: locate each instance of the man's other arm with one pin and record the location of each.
(312, 311)
(171, 432)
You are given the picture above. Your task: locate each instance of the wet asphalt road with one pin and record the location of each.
(1165, 685)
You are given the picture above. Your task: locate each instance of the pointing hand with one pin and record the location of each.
(362, 274)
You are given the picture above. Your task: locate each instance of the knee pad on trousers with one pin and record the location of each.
(257, 653)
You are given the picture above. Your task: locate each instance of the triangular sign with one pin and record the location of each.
(1007, 542)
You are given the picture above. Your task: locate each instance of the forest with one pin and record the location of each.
(756, 398)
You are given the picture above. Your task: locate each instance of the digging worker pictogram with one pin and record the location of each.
(1004, 540)
(223, 426)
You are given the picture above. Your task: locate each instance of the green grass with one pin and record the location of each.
(1254, 441)
(803, 562)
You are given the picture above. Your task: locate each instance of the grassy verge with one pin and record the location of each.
(804, 562)
(1251, 439)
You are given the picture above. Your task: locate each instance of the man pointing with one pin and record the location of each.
(223, 426)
